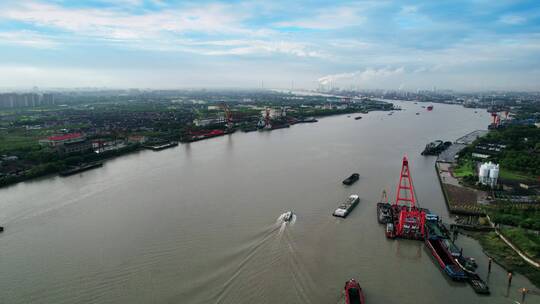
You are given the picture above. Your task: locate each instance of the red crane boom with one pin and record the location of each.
(411, 219)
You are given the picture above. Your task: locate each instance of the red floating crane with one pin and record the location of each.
(409, 219)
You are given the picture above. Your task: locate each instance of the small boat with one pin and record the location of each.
(430, 107)
(390, 231)
(478, 285)
(1, 229)
(351, 179)
(354, 293)
(417, 113)
(288, 216)
(383, 213)
(358, 117)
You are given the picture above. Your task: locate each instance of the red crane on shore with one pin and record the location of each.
(409, 219)
(228, 115)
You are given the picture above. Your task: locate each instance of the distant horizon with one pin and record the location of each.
(23, 89)
(465, 45)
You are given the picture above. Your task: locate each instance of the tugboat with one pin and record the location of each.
(354, 293)
(288, 216)
(390, 233)
(351, 179)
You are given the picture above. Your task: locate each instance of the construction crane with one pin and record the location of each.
(267, 123)
(228, 115)
(410, 219)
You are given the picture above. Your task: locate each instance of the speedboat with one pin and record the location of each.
(353, 293)
(288, 216)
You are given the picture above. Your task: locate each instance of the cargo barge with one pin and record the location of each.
(159, 147)
(344, 209)
(351, 179)
(80, 168)
(307, 120)
(438, 243)
(200, 135)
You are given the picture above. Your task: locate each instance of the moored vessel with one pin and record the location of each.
(384, 210)
(80, 168)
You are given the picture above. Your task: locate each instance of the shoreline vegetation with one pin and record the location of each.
(27, 159)
(510, 212)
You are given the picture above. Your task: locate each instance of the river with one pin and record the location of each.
(198, 223)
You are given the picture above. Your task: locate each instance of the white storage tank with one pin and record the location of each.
(494, 172)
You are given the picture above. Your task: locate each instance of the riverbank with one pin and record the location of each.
(54, 168)
(503, 255)
(462, 200)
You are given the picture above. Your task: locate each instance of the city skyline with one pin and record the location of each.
(461, 45)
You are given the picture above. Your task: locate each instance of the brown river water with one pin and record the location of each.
(198, 223)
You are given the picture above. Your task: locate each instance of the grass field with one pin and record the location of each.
(464, 168)
(19, 139)
(526, 241)
(513, 175)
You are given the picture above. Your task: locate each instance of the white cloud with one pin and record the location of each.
(27, 38)
(409, 9)
(513, 19)
(109, 23)
(260, 47)
(336, 18)
(366, 75)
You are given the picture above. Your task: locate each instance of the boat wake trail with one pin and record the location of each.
(283, 218)
(270, 266)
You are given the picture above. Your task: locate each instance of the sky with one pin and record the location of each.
(469, 45)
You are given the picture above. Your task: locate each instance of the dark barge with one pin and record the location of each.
(80, 168)
(159, 147)
(437, 242)
(436, 147)
(351, 179)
